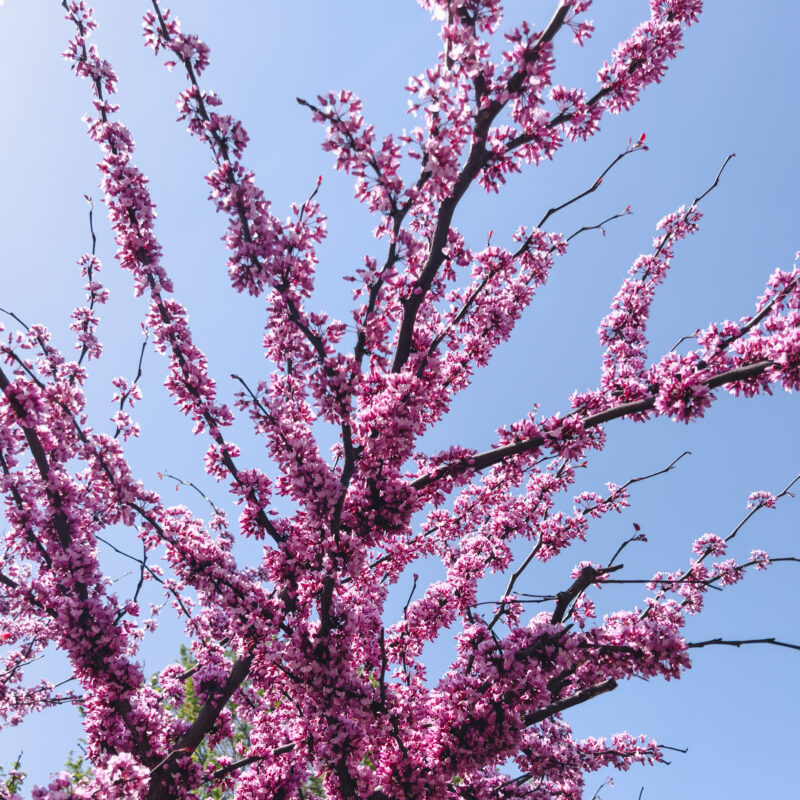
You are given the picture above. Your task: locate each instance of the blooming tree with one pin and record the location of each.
(300, 679)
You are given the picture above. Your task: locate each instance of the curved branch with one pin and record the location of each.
(476, 160)
(491, 457)
(739, 642)
(575, 699)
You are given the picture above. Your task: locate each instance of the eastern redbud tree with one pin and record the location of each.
(303, 676)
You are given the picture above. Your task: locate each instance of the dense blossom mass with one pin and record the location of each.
(294, 660)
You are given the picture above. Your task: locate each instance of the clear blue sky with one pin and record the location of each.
(733, 89)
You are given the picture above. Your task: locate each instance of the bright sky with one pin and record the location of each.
(732, 90)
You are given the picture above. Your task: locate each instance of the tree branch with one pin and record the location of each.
(739, 642)
(579, 697)
(202, 725)
(498, 454)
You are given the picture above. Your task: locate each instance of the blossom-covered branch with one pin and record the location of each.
(303, 676)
